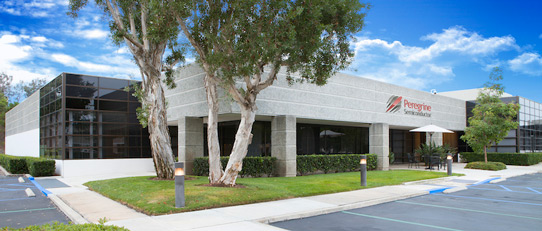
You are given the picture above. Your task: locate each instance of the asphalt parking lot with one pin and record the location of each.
(17, 210)
(514, 204)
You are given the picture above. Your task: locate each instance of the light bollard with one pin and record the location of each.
(449, 161)
(363, 170)
(179, 185)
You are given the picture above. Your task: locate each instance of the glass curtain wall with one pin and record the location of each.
(98, 119)
(530, 126)
(51, 119)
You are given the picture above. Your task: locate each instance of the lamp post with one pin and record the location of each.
(179, 185)
(363, 170)
(449, 163)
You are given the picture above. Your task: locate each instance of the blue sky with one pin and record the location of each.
(442, 45)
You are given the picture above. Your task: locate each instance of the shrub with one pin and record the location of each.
(40, 167)
(69, 227)
(14, 164)
(332, 163)
(493, 166)
(524, 159)
(24, 164)
(252, 166)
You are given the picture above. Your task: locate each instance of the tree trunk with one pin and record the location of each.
(215, 167)
(240, 146)
(158, 130)
(485, 154)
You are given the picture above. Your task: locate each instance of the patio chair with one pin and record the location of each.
(412, 161)
(435, 160)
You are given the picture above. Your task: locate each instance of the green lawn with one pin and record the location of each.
(158, 197)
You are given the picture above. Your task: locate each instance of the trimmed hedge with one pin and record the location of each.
(13, 164)
(493, 166)
(252, 166)
(523, 159)
(31, 165)
(40, 167)
(333, 163)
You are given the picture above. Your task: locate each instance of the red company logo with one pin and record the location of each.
(394, 104)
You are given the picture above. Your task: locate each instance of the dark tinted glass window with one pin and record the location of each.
(88, 104)
(132, 118)
(81, 80)
(113, 129)
(133, 107)
(145, 141)
(81, 141)
(81, 128)
(81, 153)
(112, 117)
(321, 139)
(134, 152)
(114, 141)
(113, 106)
(113, 83)
(146, 152)
(134, 130)
(86, 92)
(113, 94)
(116, 152)
(135, 141)
(81, 116)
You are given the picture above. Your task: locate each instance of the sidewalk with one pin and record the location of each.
(93, 206)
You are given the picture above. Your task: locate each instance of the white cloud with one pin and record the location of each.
(116, 65)
(12, 49)
(39, 39)
(92, 33)
(422, 66)
(15, 54)
(540, 36)
(527, 63)
(34, 8)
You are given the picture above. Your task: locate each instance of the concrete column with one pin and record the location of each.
(283, 144)
(379, 144)
(437, 138)
(190, 141)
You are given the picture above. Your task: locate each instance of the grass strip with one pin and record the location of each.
(155, 197)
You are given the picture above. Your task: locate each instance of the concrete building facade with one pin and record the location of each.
(345, 101)
(349, 114)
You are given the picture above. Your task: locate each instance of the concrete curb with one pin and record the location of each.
(74, 216)
(338, 208)
(430, 180)
(43, 190)
(455, 189)
(4, 171)
(497, 181)
(485, 181)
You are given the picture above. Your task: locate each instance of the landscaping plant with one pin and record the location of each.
(492, 119)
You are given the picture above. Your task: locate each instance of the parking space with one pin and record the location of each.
(17, 210)
(514, 204)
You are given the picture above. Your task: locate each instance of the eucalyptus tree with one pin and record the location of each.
(492, 119)
(242, 46)
(148, 30)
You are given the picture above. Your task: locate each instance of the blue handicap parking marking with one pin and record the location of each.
(508, 188)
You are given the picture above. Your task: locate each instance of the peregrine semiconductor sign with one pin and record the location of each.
(396, 103)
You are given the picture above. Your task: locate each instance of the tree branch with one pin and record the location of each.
(234, 92)
(116, 17)
(144, 27)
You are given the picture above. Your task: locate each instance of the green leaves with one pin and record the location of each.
(311, 38)
(492, 118)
